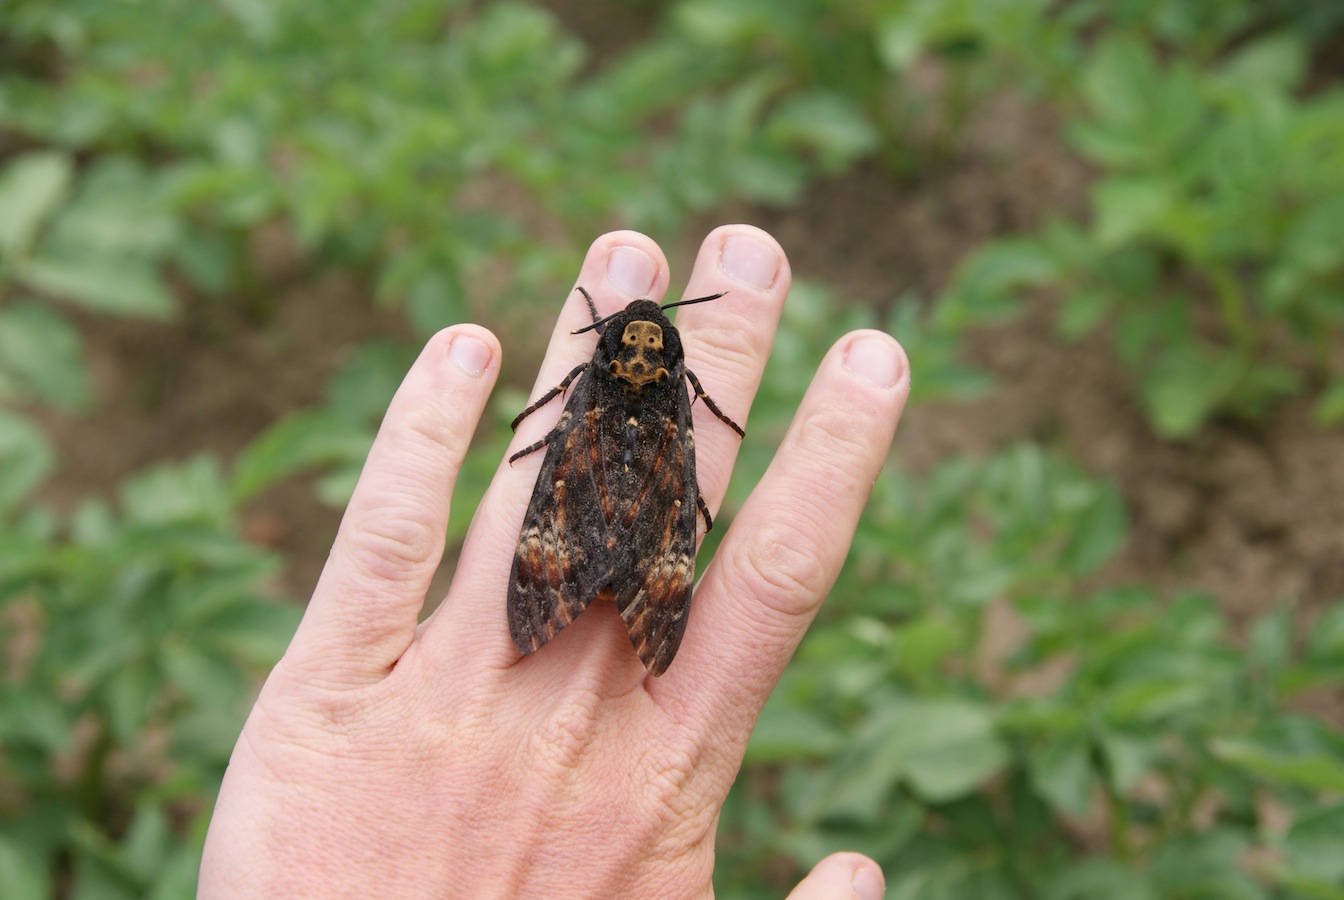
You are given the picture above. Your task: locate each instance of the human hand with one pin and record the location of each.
(385, 758)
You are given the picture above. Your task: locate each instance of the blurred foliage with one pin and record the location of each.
(972, 708)
(1211, 253)
(973, 716)
(131, 633)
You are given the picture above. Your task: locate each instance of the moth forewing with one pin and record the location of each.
(614, 510)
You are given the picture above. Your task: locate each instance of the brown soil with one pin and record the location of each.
(1257, 517)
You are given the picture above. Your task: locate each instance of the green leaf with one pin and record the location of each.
(1148, 701)
(943, 749)
(786, 731)
(1129, 208)
(715, 23)
(40, 356)
(119, 212)
(364, 386)
(148, 843)
(946, 748)
(25, 459)
(1083, 310)
(295, 444)
(987, 284)
(119, 286)
(1097, 533)
(1329, 409)
(34, 717)
(900, 38)
(1114, 82)
(1098, 879)
(21, 873)
(127, 697)
(1062, 775)
(1182, 389)
(31, 187)
(1128, 758)
(1275, 62)
(435, 300)
(830, 124)
(1315, 771)
(1204, 865)
(178, 494)
(1271, 640)
(1314, 849)
(923, 645)
(256, 633)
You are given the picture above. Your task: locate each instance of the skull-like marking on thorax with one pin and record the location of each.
(641, 357)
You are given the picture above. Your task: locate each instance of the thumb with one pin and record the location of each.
(842, 876)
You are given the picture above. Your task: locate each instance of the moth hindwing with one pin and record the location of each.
(613, 512)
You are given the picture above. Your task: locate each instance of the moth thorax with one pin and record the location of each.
(640, 359)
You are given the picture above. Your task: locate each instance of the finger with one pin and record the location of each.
(363, 612)
(619, 267)
(728, 341)
(842, 876)
(786, 546)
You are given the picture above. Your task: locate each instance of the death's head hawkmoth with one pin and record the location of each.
(614, 508)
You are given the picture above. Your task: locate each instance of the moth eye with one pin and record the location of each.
(614, 367)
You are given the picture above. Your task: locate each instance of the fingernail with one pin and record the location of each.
(876, 360)
(868, 884)
(631, 270)
(750, 261)
(470, 355)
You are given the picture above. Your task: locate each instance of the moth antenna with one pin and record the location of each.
(598, 324)
(667, 306)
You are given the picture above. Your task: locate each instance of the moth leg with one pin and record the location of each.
(713, 407)
(592, 307)
(531, 448)
(548, 396)
(704, 511)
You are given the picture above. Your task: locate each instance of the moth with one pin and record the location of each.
(613, 513)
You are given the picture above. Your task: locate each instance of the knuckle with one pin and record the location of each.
(673, 794)
(566, 736)
(725, 362)
(828, 442)
(780, 569)
(393, 542)
(668, 770)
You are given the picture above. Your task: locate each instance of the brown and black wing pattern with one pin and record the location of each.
(561, 562)
(613, 514)
(614, 511)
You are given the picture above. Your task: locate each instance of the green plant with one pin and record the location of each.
(132, 640)
(1121, 744)
(94, 238)
(414, 144)
(1210, 252)
(970, 713)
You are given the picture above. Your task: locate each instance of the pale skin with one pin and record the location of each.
(394, 759)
